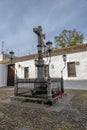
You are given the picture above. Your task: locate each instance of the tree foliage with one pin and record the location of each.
(68, 38)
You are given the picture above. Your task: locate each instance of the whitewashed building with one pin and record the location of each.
(74, 74)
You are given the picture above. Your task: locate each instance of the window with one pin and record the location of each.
(46, 70)
(26, 72)
(71, 69)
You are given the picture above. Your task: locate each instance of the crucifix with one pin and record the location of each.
(41, 38)
(40, 62)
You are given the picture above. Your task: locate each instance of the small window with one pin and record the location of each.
(71, 69)
(46, 69)
(26, 72)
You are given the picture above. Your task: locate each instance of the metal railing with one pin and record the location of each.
(36, 88)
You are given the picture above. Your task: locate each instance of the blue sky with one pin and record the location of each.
(19, 17)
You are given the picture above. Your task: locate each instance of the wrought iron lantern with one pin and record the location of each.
(11, 55)
(49, 46)
(64, 57)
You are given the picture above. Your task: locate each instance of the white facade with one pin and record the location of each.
(3, 75)
(77, 55)
(20, 68)
(56, 65)
(81, 68)
(1, 57)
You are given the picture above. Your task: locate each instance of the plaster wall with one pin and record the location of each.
(1, 57)
(81, 68)
(20, 68)
(56, 65)
(3, 75)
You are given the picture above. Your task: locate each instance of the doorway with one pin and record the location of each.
(11, 75)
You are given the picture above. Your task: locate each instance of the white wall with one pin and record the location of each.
(1, 57)
(56, 66)
(81, 69)
(20, 70)
(3, 75)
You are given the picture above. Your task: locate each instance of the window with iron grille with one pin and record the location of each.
(71, 69)
(46, 70)
(26, 72)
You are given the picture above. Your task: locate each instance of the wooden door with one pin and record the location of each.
(11, 75)
(26, 72)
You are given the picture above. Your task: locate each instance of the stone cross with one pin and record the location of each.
(40, 45)
(41, 36)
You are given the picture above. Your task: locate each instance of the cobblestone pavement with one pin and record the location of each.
(69, 113)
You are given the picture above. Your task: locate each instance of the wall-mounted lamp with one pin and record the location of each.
(62, 83)
(64, 57)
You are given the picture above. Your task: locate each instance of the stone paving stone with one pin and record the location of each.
(1, 114)
(25, 128)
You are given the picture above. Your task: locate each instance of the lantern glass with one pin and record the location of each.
(49, 46)
(11, 54)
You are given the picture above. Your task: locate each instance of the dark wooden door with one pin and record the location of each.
(26, 72)
(11, 75)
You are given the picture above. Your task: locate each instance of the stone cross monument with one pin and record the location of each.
(40, 62)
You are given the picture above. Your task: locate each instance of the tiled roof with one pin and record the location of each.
(72, 49)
